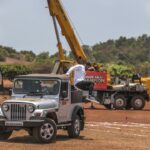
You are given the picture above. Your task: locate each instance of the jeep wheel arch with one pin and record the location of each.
(78, 111)
(53, 116)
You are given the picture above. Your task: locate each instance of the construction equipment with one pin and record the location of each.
(57, 12)
(146, 82)
(125, 96)
(60, 16)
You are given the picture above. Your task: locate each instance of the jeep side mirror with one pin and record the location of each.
(64, 94)
(10, 92)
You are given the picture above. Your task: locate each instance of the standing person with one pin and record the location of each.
(136, 76)
(89, 67)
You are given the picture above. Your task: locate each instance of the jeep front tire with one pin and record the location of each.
(4, 134)
(46, 133)
(74, 129)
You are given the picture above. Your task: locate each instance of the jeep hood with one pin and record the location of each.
(38, 102)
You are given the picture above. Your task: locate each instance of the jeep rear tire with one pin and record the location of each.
(46, 133)
(4, 134)
(74, 129)
(138, 102)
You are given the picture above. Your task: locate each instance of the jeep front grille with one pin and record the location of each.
(18, 112)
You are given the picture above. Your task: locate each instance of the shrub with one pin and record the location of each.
(10, 71)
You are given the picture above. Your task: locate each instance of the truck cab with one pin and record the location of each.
(41, 104)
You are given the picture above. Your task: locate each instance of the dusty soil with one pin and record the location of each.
(105, 130)
(7, 84)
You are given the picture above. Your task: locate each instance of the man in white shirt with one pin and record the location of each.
(79, 73)
(79, 78)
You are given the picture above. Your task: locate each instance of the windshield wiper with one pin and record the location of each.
(34, 94)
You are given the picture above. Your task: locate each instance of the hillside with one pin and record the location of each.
(9, 60)
(133, 52)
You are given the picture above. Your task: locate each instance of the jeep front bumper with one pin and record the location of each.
(21, 124)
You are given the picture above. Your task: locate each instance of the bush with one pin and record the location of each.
(42, 67)
(10, 71)
(3, 54)
(120, 71)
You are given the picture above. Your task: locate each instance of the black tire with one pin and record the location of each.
(30, 132)
(108, 106)
(4, 134)
(74, 129)
(138, 102)
(46, 133)
(120, 102)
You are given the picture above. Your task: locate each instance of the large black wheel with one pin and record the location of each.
(46, 133)
(30, 132)
(120, 102)
(138, 102)
(4, 133)
(74, 129)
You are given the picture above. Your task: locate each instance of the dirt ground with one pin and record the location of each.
(105, 130)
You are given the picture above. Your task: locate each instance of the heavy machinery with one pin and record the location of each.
(59, 15)
(128, 95)
(146, 82)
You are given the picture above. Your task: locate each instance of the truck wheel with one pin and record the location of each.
(74, 129)
(120, 102)
(46, 133)
(108, 106)
(4, 133)
(138, 102)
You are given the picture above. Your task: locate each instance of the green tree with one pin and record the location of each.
(43, 57)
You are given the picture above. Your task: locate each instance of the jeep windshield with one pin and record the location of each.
(36, 87)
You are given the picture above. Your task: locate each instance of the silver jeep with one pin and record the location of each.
(41, 104)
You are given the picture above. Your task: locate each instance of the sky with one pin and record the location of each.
(27, 25)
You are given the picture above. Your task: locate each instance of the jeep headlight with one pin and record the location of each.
(5, 107)
(31, 108)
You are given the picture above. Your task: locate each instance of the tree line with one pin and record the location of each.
(128, 54)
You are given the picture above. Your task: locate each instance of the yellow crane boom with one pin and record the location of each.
(57, 12)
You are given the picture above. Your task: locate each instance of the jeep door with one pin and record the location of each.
(64, 103)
